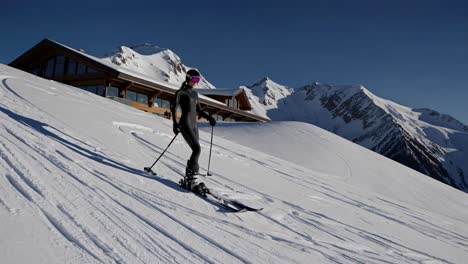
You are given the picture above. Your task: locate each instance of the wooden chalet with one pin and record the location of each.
(235, 98)
(55, 61)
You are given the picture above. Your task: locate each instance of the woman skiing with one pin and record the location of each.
(187, 99)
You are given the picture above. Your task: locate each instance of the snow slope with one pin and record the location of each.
(161, 64)
(72, 191)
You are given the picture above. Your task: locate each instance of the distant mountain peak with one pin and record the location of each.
(262, 81)
(422, 139)
(269, 92)
(145, 49)
(148, 49)
(159, 63)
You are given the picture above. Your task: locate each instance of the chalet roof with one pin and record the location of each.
(228, 93)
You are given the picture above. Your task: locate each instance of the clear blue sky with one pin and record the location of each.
(412, 52)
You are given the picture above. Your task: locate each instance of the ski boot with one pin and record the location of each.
(192, 185)
(190, 179)
(192, 169)
(188, 182)
(201, 189)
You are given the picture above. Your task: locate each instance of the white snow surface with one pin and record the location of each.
(72, 190)
(257, 107)
(159, 63)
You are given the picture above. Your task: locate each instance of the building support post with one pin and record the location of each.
(152, 97)
(123, 89)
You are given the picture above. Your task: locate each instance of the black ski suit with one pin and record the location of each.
(187, 99)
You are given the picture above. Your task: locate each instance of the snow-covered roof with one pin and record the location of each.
(240, 93)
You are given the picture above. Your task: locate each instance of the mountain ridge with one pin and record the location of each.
(417, 138)
(160, 63)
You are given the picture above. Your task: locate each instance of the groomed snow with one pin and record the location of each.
(72, 190)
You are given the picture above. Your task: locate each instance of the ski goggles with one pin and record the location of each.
(195, 79)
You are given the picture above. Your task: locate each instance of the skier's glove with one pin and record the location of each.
(212, 121)
(175, 128)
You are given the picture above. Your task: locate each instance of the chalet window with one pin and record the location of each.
(113, 91)
(91, 89)
(49, 70)
(90, 70)
(59, 66)
(166, 104)
(136, 97)
(81, 69)
(233, 103)
(142, 98)
(100, 90)
(71, 70)
(95, 89)
(36, 71)
(218, 117)
(131, 95)
(158, 102)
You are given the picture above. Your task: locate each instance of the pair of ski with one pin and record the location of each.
(202, 191)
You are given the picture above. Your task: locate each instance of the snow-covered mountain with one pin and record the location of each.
(423, 139)
(265, 94)
(72, 190)
(159, 63)
(269, 92)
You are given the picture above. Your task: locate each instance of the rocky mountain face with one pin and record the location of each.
(158, 63)
(423, 139)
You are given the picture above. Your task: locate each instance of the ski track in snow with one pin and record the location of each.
(307, 222)
(112, 212)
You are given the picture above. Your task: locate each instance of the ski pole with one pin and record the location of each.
(148, 169)
(211, 145)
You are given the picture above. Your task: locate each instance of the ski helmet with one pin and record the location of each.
(190, 74)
